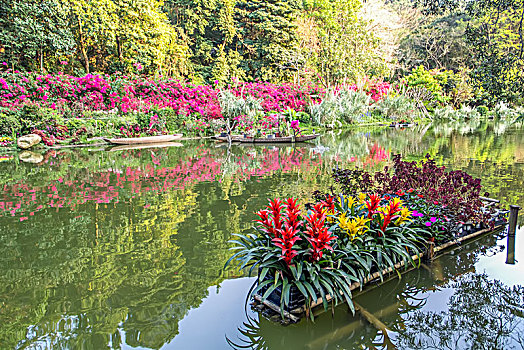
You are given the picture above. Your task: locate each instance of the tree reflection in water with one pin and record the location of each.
(482, 314)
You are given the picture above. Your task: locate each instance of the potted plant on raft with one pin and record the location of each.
(295, 256)
(304, 256)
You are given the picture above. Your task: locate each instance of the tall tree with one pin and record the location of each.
(32, 32)
(344, 48)
(125, 35)
(495, 35)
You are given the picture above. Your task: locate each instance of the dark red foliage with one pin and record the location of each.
(456, 191)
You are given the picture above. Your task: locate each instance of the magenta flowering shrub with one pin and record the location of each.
(102, 92)
(376, 89)
(279, 97)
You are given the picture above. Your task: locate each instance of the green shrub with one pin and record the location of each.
(232, 106)
(483, 110)
(395, 107)
(448, 113)
(439, 83)
(291, 114)
(342, 106)
(9, 123)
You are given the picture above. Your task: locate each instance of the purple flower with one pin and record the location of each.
(428, 224)
(294, 124)
(417, 214)
(433, 219)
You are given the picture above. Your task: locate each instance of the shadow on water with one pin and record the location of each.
(126, 248)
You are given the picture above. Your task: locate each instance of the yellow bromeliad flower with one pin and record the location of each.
(362, 198)
(353, 227)
(350, 201)
(404, 216)
(329, 215)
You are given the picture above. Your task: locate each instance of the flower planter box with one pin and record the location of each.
(296, 309)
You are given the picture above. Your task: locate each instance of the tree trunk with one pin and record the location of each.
(41, 61)
(119, 48)
(82, 46)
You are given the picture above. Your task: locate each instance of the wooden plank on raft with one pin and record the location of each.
(276, 308)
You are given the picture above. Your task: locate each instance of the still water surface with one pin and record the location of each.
(125, 249)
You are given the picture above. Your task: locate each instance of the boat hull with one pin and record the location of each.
(287, 139)
(144, 140)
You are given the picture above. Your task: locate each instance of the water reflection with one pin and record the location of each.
(482, 314)
(114, 249)
(443, 305)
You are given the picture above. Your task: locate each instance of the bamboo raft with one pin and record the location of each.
(286, 139)
(296, 314)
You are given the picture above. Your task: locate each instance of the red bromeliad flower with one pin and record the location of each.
(390, 213)
(329, 203)
(266, 222)
(318, 235)
(275, 206)
(288, 237)
(400, 193)
(292, 213)
(372, 204)
(274, 218)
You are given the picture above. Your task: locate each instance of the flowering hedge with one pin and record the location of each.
(104, 92)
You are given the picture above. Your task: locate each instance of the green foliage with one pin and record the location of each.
(9, 123)
(336, 43)
(438, 44)
(495, 40)
(302, 117)
(498, 45)
(397, 107)
(440, 87)
(464, 113)
(503, 111)
(342, 106)
(33, 32)
(127, 36)
(233, 106)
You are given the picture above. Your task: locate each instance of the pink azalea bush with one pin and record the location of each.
(103, 92)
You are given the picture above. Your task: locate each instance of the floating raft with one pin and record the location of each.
(287, 139)
(144, 140)
(296, 313)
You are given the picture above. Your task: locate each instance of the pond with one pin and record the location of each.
(107, 248)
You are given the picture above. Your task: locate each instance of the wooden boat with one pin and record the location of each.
(143, 140)
(146, 146)
(286, 139)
